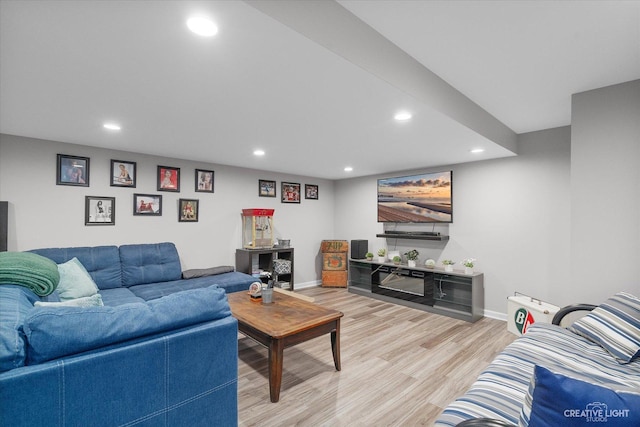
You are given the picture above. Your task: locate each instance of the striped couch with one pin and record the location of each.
(500, 391)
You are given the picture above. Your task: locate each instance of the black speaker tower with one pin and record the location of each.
(4, 225)
(359, 249)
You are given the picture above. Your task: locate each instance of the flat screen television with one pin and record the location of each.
(423, 198)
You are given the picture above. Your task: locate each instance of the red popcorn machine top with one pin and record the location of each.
(257, 228)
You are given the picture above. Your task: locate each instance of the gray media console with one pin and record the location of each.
(453, 294)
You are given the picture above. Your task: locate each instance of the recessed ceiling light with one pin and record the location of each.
(111, 126)
(202, 26)
(477, 150)
(348, 169)
(402, 116)
(258, 153)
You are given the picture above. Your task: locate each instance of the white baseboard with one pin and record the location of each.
(495, 315)
(311, 284)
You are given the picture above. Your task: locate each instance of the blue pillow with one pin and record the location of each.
(54, 332)
(555, 399)
(15, 302)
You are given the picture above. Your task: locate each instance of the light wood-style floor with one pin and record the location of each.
(400, 367)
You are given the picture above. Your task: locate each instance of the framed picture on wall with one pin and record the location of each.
(99, 210)
(147, 204)
(204, 181)
(72, 170)
(311, 191)
(290, 192)
(266, 188)
(188, 210)
(168, 179)
(123, 174)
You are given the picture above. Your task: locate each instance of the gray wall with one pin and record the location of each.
(605, 192)
(511, 214)
(560, 222)
(43, 214)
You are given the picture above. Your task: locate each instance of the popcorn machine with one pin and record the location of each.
(257, 228)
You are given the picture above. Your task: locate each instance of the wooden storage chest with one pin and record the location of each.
(334, 279)
(334, 263)
(334, 246)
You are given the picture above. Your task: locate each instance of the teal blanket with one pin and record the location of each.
(30, 270)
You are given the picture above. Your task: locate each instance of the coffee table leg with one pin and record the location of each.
(276, 348)
(335, 345)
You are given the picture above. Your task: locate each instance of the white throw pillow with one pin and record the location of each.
(92, 301)
(75, 281)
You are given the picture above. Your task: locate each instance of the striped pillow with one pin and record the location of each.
(614, 325)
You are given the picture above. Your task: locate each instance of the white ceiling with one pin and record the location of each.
(307, 81)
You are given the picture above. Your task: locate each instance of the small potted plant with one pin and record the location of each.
(448, 265)
(412, 257)
(396, 260)
(368, 256)
(382, 255)
(468, 265)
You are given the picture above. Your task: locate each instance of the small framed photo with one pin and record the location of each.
(204, 181)
(188, 210)
(72, 170)
(311, 191)
(147, 204)
(290, 192)
(100, 210)
(266, 188)
(168, 179)
(123, 174)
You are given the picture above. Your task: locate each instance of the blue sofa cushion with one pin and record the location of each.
(55, 332)
(230, 282)
(149, 263)
(15, 303)
(234, 281)
(118, 296)
(101, 262)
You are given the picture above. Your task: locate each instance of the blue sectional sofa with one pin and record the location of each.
(162, 351)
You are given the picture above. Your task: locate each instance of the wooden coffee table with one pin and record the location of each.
(284, 323)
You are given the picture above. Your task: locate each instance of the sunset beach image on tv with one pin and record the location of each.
(416, 198)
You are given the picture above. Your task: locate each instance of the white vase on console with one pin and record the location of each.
(448, 265)
(411, 262)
